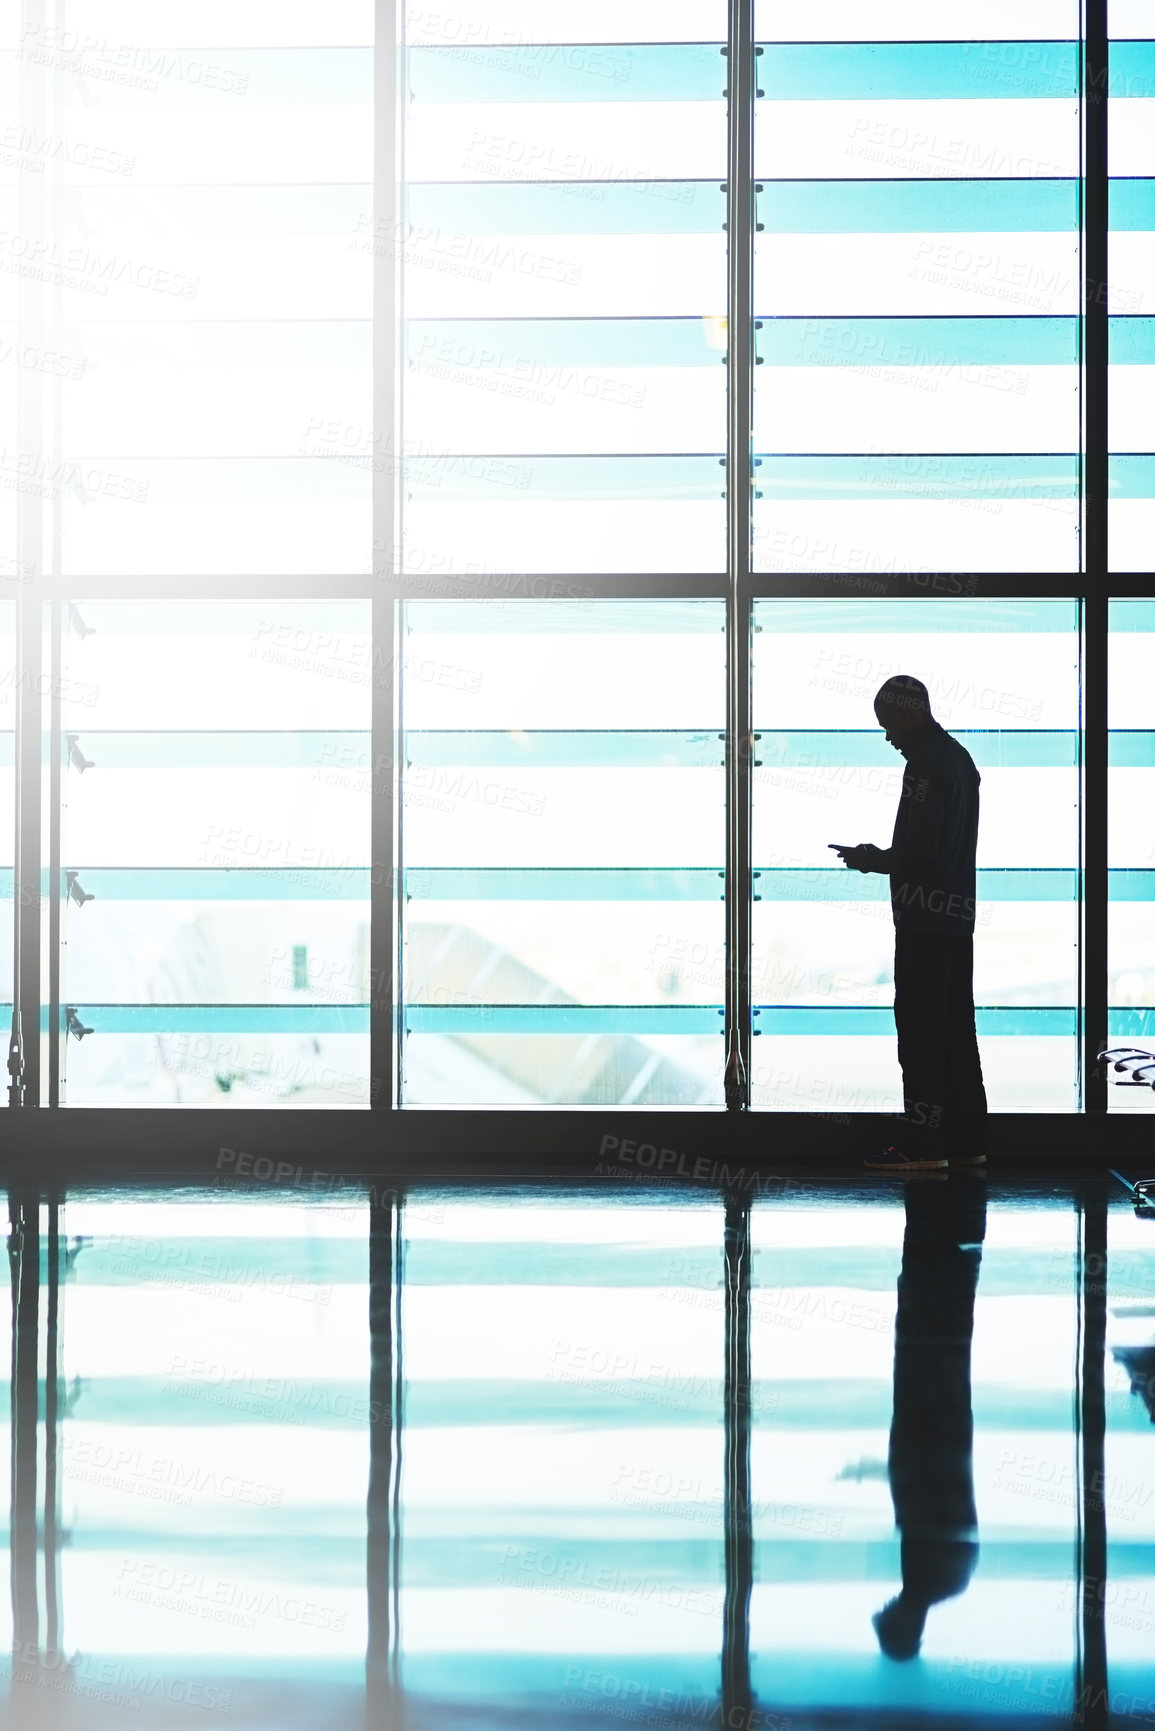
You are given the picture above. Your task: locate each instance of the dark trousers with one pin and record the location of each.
(944, 1100)
(932, 1433)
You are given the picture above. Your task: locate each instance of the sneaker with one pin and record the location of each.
(894, 1160)
(973, 1159)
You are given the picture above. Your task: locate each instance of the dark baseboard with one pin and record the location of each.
(711, 1148)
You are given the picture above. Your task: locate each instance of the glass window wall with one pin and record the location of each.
(454, 315)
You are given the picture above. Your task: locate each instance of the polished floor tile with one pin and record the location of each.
(814, 1456)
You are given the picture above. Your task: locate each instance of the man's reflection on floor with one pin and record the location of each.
(931, 1434)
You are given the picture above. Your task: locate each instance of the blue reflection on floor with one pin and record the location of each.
(529, 1457)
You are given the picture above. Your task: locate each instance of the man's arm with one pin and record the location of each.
(866, 857)
(924, 812)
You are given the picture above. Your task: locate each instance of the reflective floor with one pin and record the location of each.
(808, 1455)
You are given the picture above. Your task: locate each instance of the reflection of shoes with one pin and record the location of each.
(899, 1629)
(894, 1160)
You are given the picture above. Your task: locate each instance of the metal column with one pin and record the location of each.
(1094, 238)
(739, 491)
(387, 217)
(25, 1058)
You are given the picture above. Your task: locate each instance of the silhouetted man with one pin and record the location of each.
(930, 1464)
(931, 864)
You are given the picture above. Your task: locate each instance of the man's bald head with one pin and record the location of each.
(903, 692)
(902, 707)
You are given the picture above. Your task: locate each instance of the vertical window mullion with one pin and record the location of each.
(27, 983)
(1095, 555)
(56, 910)
(739, 498)
(384, 884)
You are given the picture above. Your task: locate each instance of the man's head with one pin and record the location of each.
(902, 707)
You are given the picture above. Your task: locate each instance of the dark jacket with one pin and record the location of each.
(931, 858)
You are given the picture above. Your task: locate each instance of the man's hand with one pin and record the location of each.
(863, 858)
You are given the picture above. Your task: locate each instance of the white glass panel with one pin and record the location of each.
(520, 410)
(911, 535)
(895, 409)
(561, 817)
(924, 139)
(567, 141)
(290, 401)
(1130, 826)
(1135, 18)
(274, 665)
(1130, 684)
(131, 528)
(565, 275)
(897, 275)
(559, 535)
(458, 680)
(225, 147)
(1132, 534)
(500, 23)
(117, 25)
(1132, 408)
(912, 21)
(975, 680)
(1132, 265)
(1132, 144)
